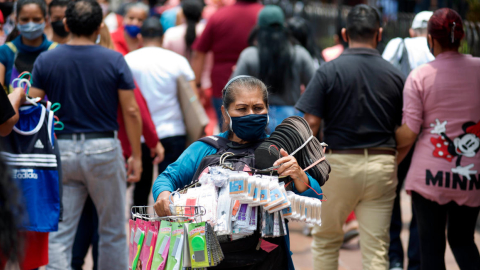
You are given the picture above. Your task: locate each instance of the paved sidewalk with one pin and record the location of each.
(351, 259)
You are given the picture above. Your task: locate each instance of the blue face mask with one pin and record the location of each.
(249, 127)
(132, 30)
(31, 30)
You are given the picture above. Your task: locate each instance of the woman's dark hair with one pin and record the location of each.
(13, 35)
(245, 83)
(11, 244)
(300, 30)
(84, 17)
(192, 9)
(274, 52)
(41, 4)
(446, 26)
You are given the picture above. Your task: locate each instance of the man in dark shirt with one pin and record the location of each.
(359, 96)
(9, 106)
(90, 82)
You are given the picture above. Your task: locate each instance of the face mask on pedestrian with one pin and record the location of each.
(132, 30)
(249, 127)
(31, 30)
(59, 28)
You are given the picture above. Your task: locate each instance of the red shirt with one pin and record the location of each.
(119, 41)
(226, 35)
(148, 128)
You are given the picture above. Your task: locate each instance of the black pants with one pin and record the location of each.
(460, 222)
(395, 252)
(174, 147)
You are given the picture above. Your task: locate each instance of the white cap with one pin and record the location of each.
(421, 19)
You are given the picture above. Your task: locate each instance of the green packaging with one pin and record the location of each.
(164, 235)
(197, 243)
(174, 260)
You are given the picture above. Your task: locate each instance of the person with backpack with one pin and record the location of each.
(19, 54)
(409, 53)
(245, 110)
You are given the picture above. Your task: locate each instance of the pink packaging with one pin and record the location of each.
(139, 224)
(148, 247)
(131, 252)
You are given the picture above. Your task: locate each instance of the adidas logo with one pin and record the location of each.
(38, 144)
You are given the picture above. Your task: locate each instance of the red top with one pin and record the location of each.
(226, 35)
(148, 131)
(119, 42)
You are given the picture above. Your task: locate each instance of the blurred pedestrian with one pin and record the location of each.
(359, 96)
(441, 98)
(156, 71)
(282, 66)
(87, 232)
(409, 53)
(98, 82)
(180, 38)
(112, 20)
(301, 31)
(19, 55)
(226, 35)
(336, 50)
(127, 38)
(406, 55)
(56, 11)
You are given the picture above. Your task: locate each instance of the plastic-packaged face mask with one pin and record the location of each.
(265, 192)
(308, 209)
(252, 225)
(276, 196)
(251, 189)
(256, 191)
(238, 185)
(289, 211)
(285, 202)
(302, 211)
(224, 215)
(319, 213)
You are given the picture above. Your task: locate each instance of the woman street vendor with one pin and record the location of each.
(245, 110)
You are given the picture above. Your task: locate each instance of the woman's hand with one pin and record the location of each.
(289, 167)
(162, 205)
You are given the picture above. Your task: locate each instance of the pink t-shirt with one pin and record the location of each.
(442, 100)
(174, 40)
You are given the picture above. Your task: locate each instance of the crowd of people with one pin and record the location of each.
(408, 116)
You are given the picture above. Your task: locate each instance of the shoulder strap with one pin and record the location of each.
(215, 141)
(53, 46)
(11, 46)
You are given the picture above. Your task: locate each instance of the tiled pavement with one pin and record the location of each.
(350, 259)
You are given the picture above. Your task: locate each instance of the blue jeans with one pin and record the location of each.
(92, 167)
(278, 113)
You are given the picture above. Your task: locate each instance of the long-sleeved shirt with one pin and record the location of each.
(180, 173)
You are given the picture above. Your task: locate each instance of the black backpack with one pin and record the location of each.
(245, 252)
